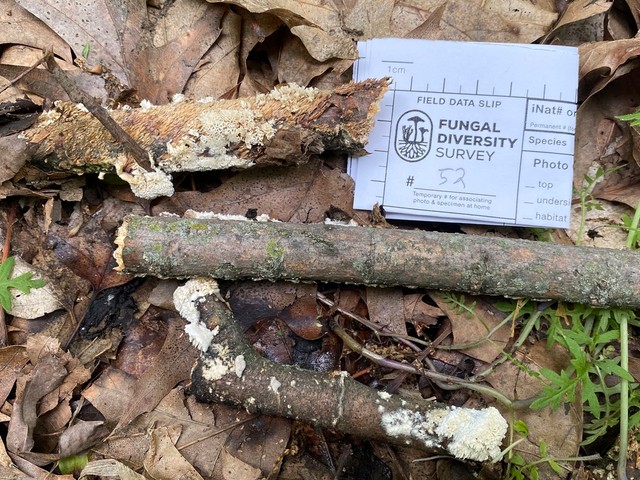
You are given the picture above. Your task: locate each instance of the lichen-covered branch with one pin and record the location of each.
(285, 126)
(227, 249)
(231, 371)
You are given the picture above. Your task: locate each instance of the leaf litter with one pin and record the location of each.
(60, 401)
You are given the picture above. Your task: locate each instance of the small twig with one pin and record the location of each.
(24, 74)
(213, 433)
(443, 381)
(454, 383)
(380, 330)
(4, 334)
(78, 96)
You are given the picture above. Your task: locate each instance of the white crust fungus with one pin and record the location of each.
(239, 365)
(146, 105)
(215, 368)
(186, 299)
(205, 148)
(147, 185)
(226, 216)
(467, 434)
(384, 395)
(290, 96)
(274, 385)
(199, 335)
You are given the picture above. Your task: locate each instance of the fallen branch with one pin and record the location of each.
(227, 249)
(286, 126)
(230, 371)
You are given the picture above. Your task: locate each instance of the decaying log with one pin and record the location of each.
(285, 126)
(232, 372)
(229, 249)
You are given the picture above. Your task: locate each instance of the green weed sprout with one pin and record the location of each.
(23, 282)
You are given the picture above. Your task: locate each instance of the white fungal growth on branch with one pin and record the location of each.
(205, 148)
(239, 365)
(147, 185)
(274, 385)
(467, 434)
(263, 217)
(186, 299)
(290, 96)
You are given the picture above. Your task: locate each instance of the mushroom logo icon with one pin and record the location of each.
(413, 136)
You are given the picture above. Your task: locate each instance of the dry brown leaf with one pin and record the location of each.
(12, 359)
(43, 397)
(7, 467)
(77, 374)
(386, 308)
(41, 346)
(295, 305)
(591, 29)
(257, 446)
(518, 21)
(420, 313)
(110, 393)
(142, 342)
(301, 316)
(76, 24)
(323, 45)
(627, 192)
(599, 62)
(297, 195)
(19, 27)
(634, 8)
(5, 460)
(41, 83)
(430, 28)
(235, 469)
(184, 35)
(164, 461)
(110, 468)
(369, 18)
(580, 10)
(46, 376)
(161, 295)
(50, 425)
(619, 26)
(315, 22)
(15, 155)
(172, 365)
(296, 65)
(202, 437)
(256, 29)
(218, 71)
(88, 252)
(469, 327)
(80, 437)
(21, 55)
(596, 118)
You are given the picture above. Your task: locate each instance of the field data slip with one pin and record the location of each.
(470, 132)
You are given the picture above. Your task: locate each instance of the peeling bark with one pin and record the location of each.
(227, 249)
(232, 372)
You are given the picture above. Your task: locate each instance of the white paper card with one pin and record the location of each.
(470, 132)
